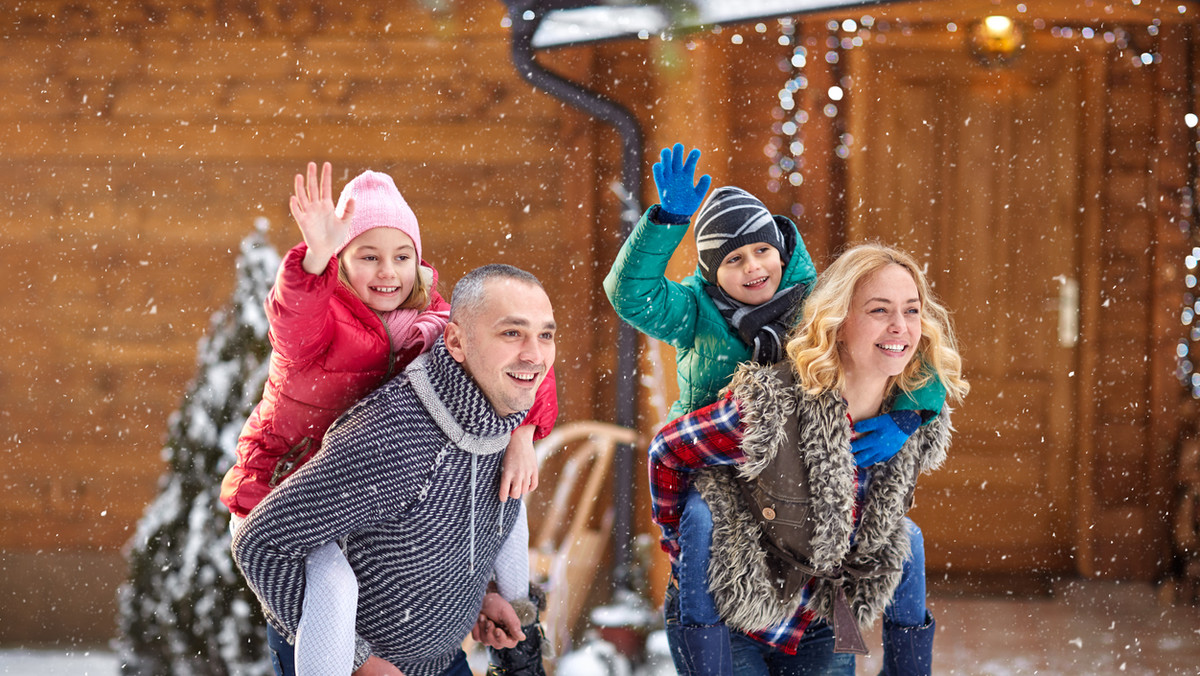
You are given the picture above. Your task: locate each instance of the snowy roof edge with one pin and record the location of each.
(600, 23)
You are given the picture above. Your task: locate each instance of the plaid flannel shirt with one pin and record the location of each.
(709, 437)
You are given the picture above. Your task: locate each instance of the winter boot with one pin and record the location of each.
(526, 658)
(908, 651)
(701, 650)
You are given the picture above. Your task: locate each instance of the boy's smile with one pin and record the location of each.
(750, 274)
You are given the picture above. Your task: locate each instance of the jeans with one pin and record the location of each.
(283, 655)
(459, 666)
(696, 649)
(907, 608)
(695, 540)
(815, 656)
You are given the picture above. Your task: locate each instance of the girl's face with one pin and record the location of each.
(883, 326)
(381, 266)
(751, 274)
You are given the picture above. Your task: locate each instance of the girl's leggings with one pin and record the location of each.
(325, 637)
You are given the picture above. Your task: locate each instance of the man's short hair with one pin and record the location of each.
(468, 296)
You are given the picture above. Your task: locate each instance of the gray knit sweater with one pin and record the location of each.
(409, 478)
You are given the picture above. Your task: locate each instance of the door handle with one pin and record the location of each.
(1068, 311)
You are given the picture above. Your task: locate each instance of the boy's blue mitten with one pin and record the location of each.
(882, 436)
(673, 177)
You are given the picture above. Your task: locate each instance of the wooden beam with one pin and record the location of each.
(1091, 228)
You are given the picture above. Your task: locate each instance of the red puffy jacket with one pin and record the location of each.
(330, 350)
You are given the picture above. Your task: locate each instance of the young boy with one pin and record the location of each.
(753, 275)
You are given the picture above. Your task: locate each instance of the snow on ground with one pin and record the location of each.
(57, 663)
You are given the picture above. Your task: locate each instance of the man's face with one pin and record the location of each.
(507, 347)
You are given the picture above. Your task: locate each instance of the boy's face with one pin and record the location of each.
(751, 274)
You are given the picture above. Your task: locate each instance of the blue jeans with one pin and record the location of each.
(696, 649)
(815, 656)
(698, 638)
(283, 654)
(696, 605)
(907, 608)
(459, 666)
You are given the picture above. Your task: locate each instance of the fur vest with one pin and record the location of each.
(756, 585)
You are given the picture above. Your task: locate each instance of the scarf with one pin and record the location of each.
(763, 327)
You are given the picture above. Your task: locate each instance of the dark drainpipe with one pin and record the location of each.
(526, 15)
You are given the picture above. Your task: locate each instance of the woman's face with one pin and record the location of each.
(883, 327)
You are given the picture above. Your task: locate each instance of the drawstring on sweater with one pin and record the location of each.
(433, 371)
(474, 473)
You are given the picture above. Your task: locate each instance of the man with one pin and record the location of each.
(406, 478)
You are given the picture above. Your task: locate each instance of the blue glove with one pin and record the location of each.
(673, 178)
(882, 436)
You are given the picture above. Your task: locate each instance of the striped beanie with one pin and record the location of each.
(729, 219)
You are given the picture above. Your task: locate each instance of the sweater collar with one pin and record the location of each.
(457, 404)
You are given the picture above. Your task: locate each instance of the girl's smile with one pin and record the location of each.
(381, 267)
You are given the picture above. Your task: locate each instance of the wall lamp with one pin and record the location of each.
(995, 40)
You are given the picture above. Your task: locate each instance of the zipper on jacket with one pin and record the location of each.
(391, 350)
(290, 461)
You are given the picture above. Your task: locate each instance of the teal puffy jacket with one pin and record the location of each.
(682, 315)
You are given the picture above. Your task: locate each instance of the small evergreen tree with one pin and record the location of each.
(185, 609)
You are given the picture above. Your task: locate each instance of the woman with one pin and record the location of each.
(807, 546)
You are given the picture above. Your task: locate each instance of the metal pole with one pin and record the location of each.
(525, 16)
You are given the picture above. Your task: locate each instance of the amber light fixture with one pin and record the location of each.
(995, 40)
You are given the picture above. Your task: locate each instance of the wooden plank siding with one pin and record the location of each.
(140, 142)
(1126, 415)
(142, 139)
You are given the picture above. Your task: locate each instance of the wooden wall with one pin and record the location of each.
(717, 93)
(142, 139)
(140, 142)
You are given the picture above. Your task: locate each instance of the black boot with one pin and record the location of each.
(908, 651)
(526, 658)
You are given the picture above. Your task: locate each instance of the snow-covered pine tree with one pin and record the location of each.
(185, 609)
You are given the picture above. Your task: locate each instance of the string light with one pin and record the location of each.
(787, 147)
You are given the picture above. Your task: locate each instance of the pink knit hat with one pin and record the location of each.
(377, 204)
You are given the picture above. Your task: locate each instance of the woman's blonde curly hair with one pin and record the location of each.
(813, 345)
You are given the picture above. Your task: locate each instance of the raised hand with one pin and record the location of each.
(673, 176)
(315, 212)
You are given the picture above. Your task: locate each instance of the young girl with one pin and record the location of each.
(352, 306)
(805, 539)
(753, 275)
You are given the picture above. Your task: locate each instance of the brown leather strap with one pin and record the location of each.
(846, 636)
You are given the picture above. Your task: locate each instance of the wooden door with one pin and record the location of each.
(978, 173)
